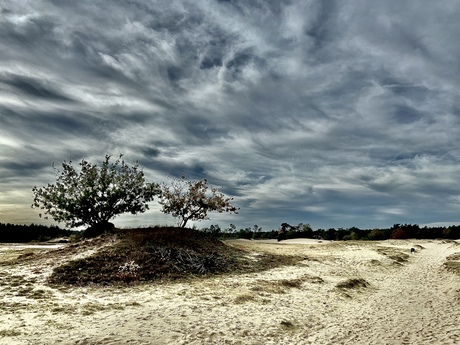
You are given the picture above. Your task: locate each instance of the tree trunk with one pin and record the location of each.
(98, 229)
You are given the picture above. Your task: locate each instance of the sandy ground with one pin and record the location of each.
(397, 298)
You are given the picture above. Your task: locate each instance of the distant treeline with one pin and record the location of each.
(10, 233)
(287, 231)
(13, 233)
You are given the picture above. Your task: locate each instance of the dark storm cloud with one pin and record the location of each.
(45, 124)
(323, 25)
(23, 168)
(34, 88)
(323, 112)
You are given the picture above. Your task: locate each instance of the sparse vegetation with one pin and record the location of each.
(353, 283)
(454, 257)
(453, 266)
(160, 254)
(9, 333)
(288, 325)
(398, 256)
(452, 263)
(240, 299)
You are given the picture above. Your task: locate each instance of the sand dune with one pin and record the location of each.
(341, 293)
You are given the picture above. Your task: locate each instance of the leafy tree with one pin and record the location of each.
(330, 234)
(301, 231)
(256, 230)
(286, 227)
(399, 234)
(245, 233)
(376, 235)
(231, 228)
(94, 195)
(213, 230)
(451, 232)
(192, 200)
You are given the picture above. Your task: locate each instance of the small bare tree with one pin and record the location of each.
(192, 200)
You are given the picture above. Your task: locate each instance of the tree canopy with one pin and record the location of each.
(192, 200)
(94, 195)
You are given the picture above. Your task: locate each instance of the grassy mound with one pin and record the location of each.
(155, 254)
(452, 263)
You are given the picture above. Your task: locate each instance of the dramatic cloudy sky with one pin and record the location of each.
(333, 113)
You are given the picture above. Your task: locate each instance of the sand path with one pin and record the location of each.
(417, 304)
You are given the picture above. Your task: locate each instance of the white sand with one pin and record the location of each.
(415, 302)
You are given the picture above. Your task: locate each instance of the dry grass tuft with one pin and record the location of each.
(453, 263)
(291, 283)
(277, 286)
(353, 283)
(453, 266)
(398, 256)
(9, 333)
(453, 257)
(241, 299)
(287, 325)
